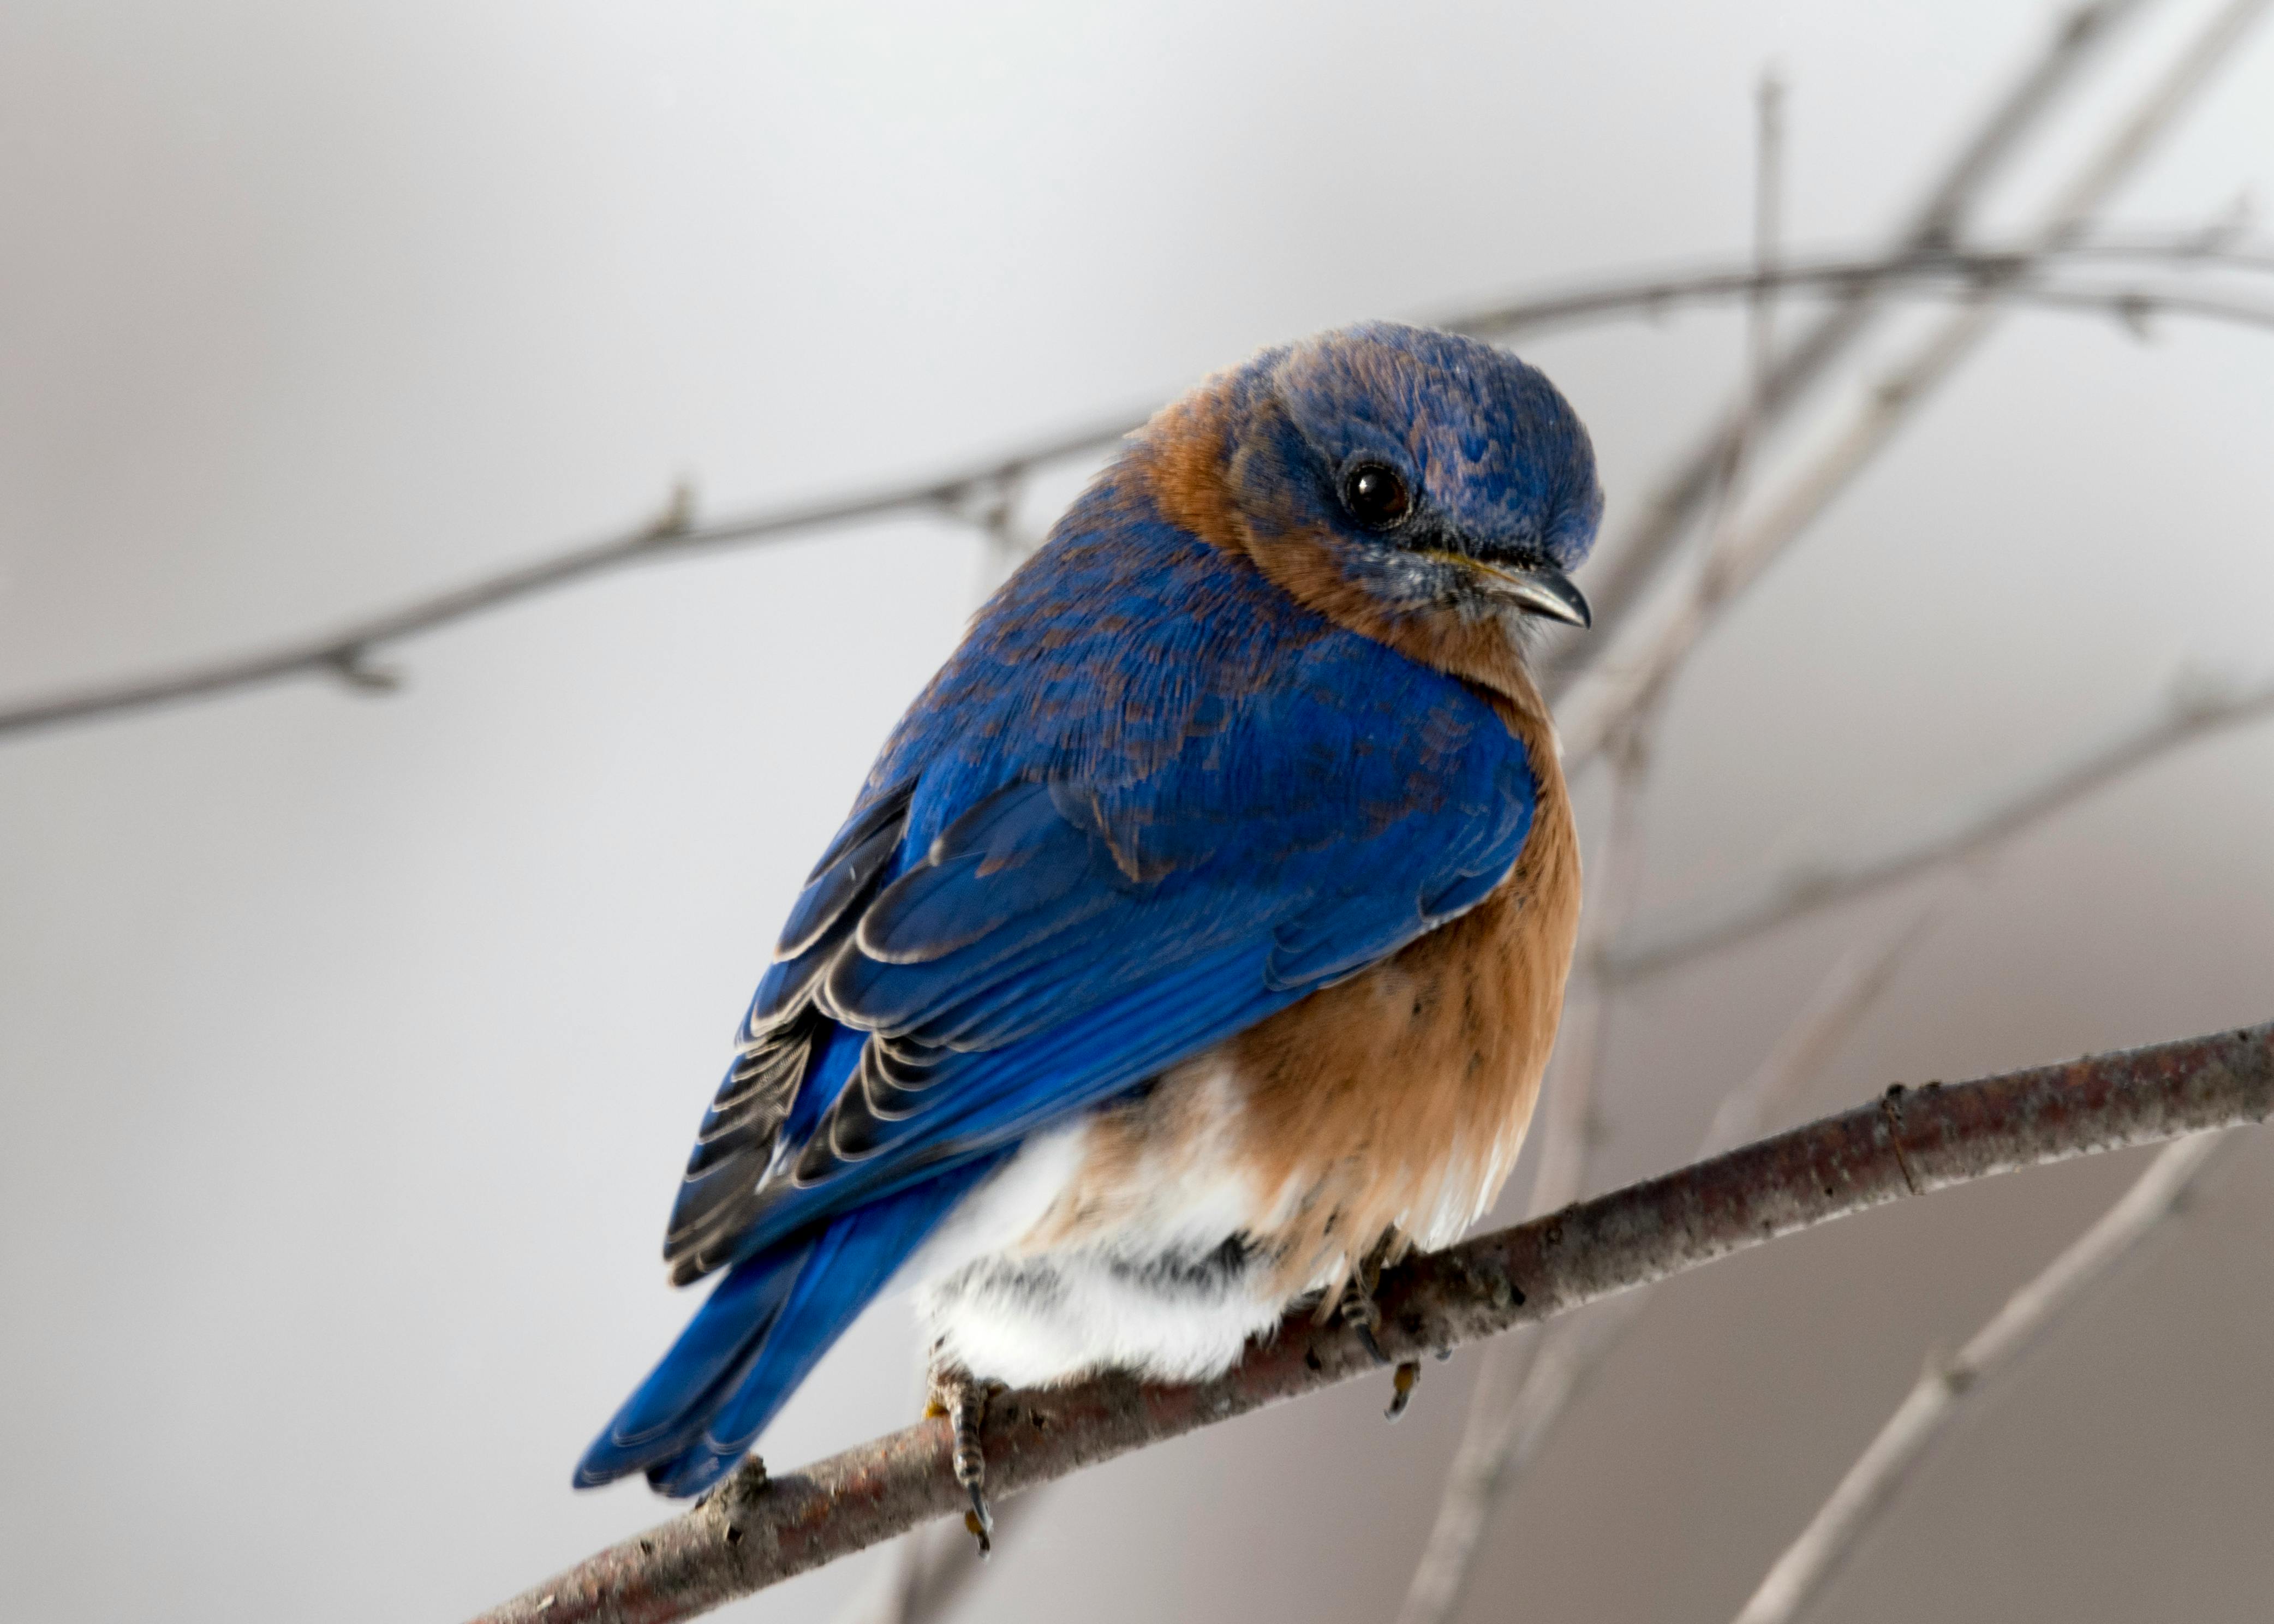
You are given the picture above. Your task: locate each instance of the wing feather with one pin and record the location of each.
(1061, 887)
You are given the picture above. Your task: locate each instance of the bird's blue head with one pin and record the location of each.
(1404, 473)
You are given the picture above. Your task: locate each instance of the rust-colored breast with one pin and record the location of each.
(1391, 1106)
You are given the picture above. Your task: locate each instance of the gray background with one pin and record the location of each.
(352, 1047)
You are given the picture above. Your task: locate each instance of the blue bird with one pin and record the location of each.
(1198, 939)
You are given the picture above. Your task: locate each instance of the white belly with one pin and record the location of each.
(1053, 1269)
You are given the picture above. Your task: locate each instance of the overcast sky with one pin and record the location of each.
(350, 1048)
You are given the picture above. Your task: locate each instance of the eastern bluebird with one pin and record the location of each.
(1199, 937)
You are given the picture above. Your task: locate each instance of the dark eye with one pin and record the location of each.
(1376, 496)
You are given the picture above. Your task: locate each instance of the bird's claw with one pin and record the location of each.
(980, 1522)
(1358, 1312)
(963, 1401)
(1401, 1386)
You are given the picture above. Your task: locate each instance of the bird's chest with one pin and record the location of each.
(1159, 1233)
(1390, 1105)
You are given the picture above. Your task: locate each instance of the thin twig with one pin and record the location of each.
(1636, 562)
(1511, 1367)
(1637, 683)
(1879, 1473)
(1826, 1023)
(673, 534)
(2017, 275)
(1505, 1438)
(756, 1531)
(969, 494)
(2193, 714)
(1569, 1131)
(1570, 1127)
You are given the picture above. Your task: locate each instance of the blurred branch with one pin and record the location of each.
(932, 1570)
(2017, 275)
(1636, 685)
(1512, 1367)
(755, 1532)
(984, 495)
(1509, 1426)
(1885, 1465)
(674, 533)
(2192, 714)
(1569, 1128)
(1636, 562)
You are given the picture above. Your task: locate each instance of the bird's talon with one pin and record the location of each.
(1358, 1312)
(980, 1523)
(963, 1400)
(1401, 1386)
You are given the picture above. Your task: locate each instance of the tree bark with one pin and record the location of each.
(754, 1532)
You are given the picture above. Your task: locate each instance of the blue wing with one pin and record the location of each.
(1150, 801)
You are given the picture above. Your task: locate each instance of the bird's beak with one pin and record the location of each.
(1547, 592)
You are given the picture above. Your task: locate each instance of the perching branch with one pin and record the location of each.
(754, 1532)
(982, 494)
(2192, 715)
(1878, 1475)
(1510, 1425)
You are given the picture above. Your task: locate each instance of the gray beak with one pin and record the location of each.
(1548, 593)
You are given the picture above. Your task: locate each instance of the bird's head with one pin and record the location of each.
(1421, 487)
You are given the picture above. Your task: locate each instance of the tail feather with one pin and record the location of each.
(709, 1361)
(759, 1336)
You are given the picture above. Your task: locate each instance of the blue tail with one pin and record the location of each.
(759, 1336)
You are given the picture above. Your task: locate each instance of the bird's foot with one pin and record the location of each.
(1359, 1313)
(963, 1400)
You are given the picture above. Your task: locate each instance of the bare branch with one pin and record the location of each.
(1510, 1425)
(1878, 1475)
(1736, 565)
(1518, 1369)
(1822, 1028)
(2014, 275)
(2193, 714)
(754, 1532)
(672, 534)
(972, 495)
(1768, 257)
(1636, 562)
(1570, 1127)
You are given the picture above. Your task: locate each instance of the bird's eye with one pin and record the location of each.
(1376, 496)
